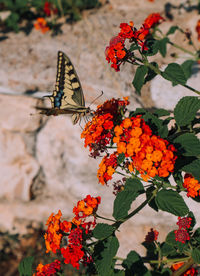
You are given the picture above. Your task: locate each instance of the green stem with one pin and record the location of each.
(167, 261)
(97, 216)
(159, 72)
(176, 45)
(182, 49)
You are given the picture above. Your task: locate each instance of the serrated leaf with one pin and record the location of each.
(104, 252)
(187, 68)
(193, 168)
(25, 266)
(172, 30)
(189, 144)
(102, 230)
(122, 203)
(138, 80)
(133, 185)
(186, 110)
(196, 255)
(171, 202)
(175, 74)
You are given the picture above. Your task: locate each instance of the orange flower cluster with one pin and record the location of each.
(107, 168)
(78, 228)
(48, 269)
(41, 25)
(53, 235)
(192, 185)
(149, 154)
(116, 52)
(85, 208)
(190, 272)
(98, 132)
(198, 29)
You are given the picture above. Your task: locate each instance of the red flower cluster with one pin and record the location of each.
(192, 185)
(116, 52)
(151, 236)
(78, 228)
(181, 234)
(198, 29)
(49, 9)
(98, 132)
(190, 272)
(48, 269)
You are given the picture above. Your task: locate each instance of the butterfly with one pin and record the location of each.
(67, 97)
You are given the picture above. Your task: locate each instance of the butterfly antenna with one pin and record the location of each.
(96, 98)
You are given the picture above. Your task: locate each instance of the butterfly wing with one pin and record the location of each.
(67, 97)
(68, 93)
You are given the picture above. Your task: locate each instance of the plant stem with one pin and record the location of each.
(159, 72)
(97, 216)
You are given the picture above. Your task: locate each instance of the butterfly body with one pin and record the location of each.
(67, 97)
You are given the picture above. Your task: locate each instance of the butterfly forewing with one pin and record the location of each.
(67, 97)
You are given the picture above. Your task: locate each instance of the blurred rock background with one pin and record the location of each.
(44, 166)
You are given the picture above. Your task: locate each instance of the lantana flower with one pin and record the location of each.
(192, 186)
(41, 25)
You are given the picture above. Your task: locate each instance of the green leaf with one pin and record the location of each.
(193, 168)
(150, 74)
(120, 158)
(133, 185)
(167, 249)
(196, 235)
(175, 74)
(162, 46)
(104, 252)
(152, 46)
(138, 80)
(160, 112)
(187, 68)
(134, 264)
(189, 144)
(25, 266)
(123, 200)
(117, 272)
(196, 255)
(102, 230)
(171, 202)
(172, 30)
(122, 203)
(186, 110)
